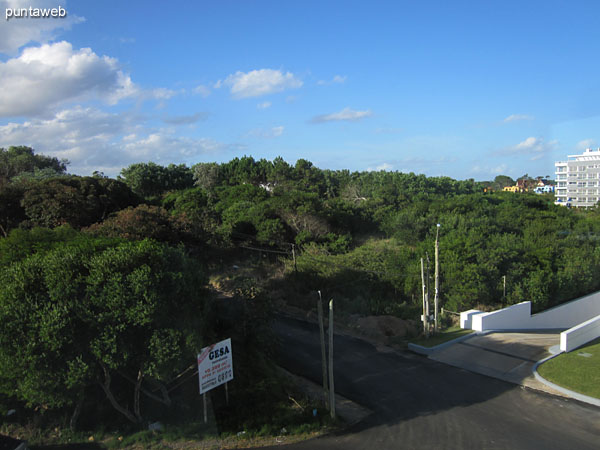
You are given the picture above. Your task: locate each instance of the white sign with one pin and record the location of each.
(215, 365)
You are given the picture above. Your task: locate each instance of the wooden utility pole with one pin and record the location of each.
(427, 280)
(323, 354)
(294, 256)
(331, 388)
(425, 307)
(437, 278)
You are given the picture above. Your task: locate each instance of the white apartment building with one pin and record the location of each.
(578, 179)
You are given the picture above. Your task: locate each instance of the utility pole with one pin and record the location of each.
(437, 277)
(331, 388)
(294, 256)
(323, 355)
(427, 280)
(504, 289)
(425, 307)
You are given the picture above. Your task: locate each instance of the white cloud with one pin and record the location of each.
(97, 140)
(186, 120)
(202, 90)
(337, 79)
(517, 117)
(487, 170)
(384, 166)
(162, 93)
(534, 147)
(257, 83)
(47, 76)
(264, 105)
(585, 144)
(17, 32)
(266, 134)
(345, 114)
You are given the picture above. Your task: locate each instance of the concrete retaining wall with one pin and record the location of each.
(518, 317)
(466, 318)
(579, 335)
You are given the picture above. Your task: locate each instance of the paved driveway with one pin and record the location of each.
(418, 403)
(507, 356)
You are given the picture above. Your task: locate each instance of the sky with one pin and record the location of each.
(466, 89)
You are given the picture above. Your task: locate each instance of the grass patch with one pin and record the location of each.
(444, 336)
(577, 370)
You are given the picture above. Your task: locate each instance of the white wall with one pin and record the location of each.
(518, 317)
(466, 317)
(580, 334)
(515, 317)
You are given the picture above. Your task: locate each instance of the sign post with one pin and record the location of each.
(215, 367)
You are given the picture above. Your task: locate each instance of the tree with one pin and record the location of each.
(143, 221)
(151, 180)
(127, 318)
(206, 175)
(21, 159)
(502, 181)
(11, 211)
(78, 201)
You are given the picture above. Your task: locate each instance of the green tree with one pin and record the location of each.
(78, 201)
(21, 159)
(143, 221)
(152, 180)
(127, 318)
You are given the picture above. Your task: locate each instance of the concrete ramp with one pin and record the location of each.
(507, 356)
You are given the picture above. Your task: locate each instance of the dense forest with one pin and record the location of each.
(107, 280)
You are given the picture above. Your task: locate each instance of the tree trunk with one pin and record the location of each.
(165, 394)
(136, 395)
(76, 413)
(113, 401)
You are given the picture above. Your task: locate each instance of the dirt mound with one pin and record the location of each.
(383, 327)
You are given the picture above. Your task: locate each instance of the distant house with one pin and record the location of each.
(547, 189)
(515, 188)
(524, 184)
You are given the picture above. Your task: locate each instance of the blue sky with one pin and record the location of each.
(463, 89)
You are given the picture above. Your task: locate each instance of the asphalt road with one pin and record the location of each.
(422, 404)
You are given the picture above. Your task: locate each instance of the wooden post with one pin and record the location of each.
(323, 354)
(331, 388)
(227, 394)
(425, 325)
(437, 278)
(205, 410)
(294, 256)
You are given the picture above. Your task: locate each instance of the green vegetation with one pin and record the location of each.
(577, 370)
(443, 336)
(104, 283)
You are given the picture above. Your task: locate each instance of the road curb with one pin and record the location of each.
(416, 348)
(348, 410)
(567, 392)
